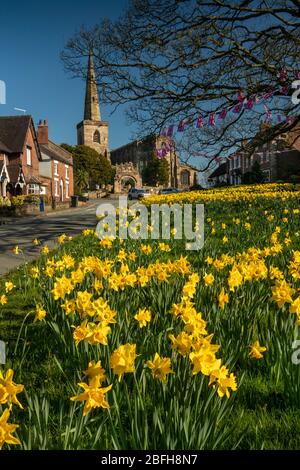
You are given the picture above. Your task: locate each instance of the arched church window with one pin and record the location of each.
(185, 177)
(96, 137)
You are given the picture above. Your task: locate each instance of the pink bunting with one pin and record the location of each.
(181, 126)
(170, 131)
(249, 104)
(212, 119)
(241, 96)
(297, 74)
(282, 75)
(199, 122)
(268, 114)
(223, 113)
(165, 132)
(268, 95)
(284, 90)
(238, 108)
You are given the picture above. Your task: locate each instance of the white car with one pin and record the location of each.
(136, 193)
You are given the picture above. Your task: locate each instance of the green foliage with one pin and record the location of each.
(157, 171)
(256, 175)
(90, 168)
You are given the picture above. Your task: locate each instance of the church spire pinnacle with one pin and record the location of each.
(91, 107)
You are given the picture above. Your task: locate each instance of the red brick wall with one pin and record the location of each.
(32, 170)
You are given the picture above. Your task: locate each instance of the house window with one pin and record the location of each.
(33, 189)
(267, 156)
(96, 137)
(237, 162)
(42, 189)
(56, 188)
(28, 156)
(67, 171)
(55, 167)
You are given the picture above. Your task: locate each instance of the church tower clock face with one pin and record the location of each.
(92, 131)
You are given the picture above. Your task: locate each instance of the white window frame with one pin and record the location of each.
(67, 171)
(55, 163)
(56, 184)
(33, 188)
(28, 156)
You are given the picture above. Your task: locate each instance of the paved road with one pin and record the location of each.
(46, 228)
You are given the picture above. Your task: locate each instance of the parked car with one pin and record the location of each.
(169, 191)
(136, 193)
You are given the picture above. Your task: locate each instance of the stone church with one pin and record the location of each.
(131, 159)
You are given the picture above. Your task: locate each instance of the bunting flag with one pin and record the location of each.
(268, 113)
(223, 113)
(297, 74)
(180, 126)
(170, 131)
(199, 122)
(285, 90)
(240, 96)
(249, 104)
(246, 102)
(282, 75)
(212, 119)
(237, 108)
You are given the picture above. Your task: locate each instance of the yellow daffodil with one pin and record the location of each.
(256, 350)
(122, 359)
(6, 430)
(160, 367)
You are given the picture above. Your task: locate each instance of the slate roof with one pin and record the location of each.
(4, 148)
(33, 180)
(13, 131)
(221, 170)
(56, 152)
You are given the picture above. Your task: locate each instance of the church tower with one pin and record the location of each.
(92, 131)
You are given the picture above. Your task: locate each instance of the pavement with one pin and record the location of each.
(46, 228)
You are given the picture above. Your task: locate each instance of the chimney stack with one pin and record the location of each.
(43, 132)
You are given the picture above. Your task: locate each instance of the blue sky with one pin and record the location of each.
(33, 33)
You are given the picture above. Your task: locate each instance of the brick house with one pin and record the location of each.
(20, 156)
(30, 163)
(279, 160)
(56, 166)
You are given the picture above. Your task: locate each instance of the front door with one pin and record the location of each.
(61, 196)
